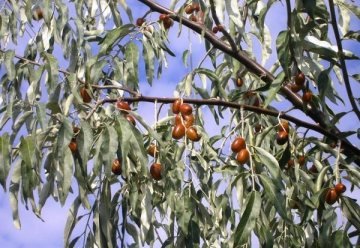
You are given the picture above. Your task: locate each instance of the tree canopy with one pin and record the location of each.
(255, 145)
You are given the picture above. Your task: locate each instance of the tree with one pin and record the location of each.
(77, 131)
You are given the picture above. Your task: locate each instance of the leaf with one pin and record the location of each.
(272, 164)
(185, 57)
(248, 219)
(51, 66)
(5, 158)
(275, 87)
(146, 212)
(351, 210)
(282, 47)
(112, 36)
(27, 151)
(84, 141)
(149, 57)
(71, 220)
(132, 60)
(275, 196)
(9, 64)
(14, 193)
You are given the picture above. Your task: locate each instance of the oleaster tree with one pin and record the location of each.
(278, 177)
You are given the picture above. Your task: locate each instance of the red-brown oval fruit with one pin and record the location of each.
(331, 196)
(37, 13)
(258, 128)
(152, 149)
(192, 134)
(215, 29)
(220, 27)
(189, 9)
(178, 131)
(168, 22)
(116, 167)
(300, 79)
(307, 97)
(131, 119)
(193, 18)
(282, 137)
(313, 169)
(186, 109)
(122, 105)
(243, 156)
(73, 145)
(176, 106)
(283, 126)
(162, 17)
(295, 88)
(196, 7)
(301, 160)
(238, 144)
(140, 22)
(188, 120)
(340, 188)
(155, 171)
(178, 120)
(85, 95)
(239, 82)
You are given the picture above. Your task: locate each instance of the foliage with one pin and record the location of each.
(54, 143)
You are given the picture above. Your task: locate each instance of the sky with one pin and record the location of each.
(36, 233)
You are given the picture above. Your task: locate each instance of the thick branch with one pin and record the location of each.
(243, 58)
(352, 150)
(342, 61)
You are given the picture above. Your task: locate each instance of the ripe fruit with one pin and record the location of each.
(238, 144)
(215, 29)
(140, 22)
(85, 95)
(282, 137)
(155, 171)
(220, 27)
(340, 188)
(295, 88)
(239, 82)
(176, 106)
(243, 156)
(162, 17)
(301, 160)
(193, 18)
(189, 9)
(258, 128)
(178, 131)
(331, 196)
(188, 120)
(122, 105)
(73, 145)
(131, 119)
(192, 134)
(307, 97)
(196, 7)
(37, 13)
(185, 109)
(283, 126)
(300, 79)
(116, 167)
(313, 169)
(152, 149)
(178, 119)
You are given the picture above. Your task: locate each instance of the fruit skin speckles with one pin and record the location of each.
(192, 134)
(185, 109)
(243, 156)
(238, 144)
(178, 131)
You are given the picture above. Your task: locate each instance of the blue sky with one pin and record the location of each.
(35, 233)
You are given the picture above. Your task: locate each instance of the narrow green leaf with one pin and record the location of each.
(149, 57)
(5, 158)
(282, 47)
(132, 60)
(351, 210)
(112, 36)
(53, 74)
(71, 220)
(27, 151)
(9, 64)
(14, 193)
(248, 219)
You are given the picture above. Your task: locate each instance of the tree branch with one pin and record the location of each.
(352, 150)
(342, 61)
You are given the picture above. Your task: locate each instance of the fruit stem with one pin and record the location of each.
(337, 170)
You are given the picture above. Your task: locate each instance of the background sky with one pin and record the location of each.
(35, 233)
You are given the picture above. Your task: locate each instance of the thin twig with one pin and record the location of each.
(342, 61)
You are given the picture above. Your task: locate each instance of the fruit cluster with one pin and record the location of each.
(166, 21)
(124, 107)
(184, 120)
(299, 84)
(333, 194)
(282, 135)
(190, 9)
(239, 146)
